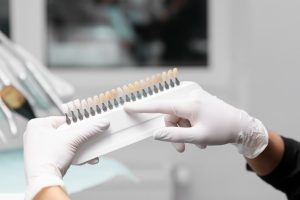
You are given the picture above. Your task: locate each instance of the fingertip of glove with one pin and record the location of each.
(128, 107)
(101, 122)
(158, 134)
(104, 123)
(180, 147)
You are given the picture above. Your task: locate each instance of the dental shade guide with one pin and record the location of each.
(125, 128)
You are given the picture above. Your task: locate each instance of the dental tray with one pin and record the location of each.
(125, 128)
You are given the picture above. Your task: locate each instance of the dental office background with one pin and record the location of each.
(245, 52)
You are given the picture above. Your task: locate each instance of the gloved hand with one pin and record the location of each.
(203, 119)
(49, 150)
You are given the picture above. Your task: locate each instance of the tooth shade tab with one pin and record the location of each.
(107, 96)
(170, 74)
(153, 80)
(148, 82)
(104, 102)
(143, 84)
(84, 104)
(96, 100)
(125, 89)
(175, 72)
(120, 92)
(71, 106)
(90, 102)
(65, 108)
(164, 76)
(137, 85)
(131, 87)
(77, 104)
(114, 93)
(158, 78)
(101, 97)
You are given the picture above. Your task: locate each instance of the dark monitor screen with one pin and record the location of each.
(4, 17)
(105, 33)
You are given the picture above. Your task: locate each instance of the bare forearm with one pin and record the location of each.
(269, 159)
(52, 193)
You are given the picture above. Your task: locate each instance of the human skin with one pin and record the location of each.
(269, 159)
(52, 193)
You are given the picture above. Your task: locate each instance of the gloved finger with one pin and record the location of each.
(197, 93)
(172, 121)
(175, 134)
(48, 122)
(83, 130)
(180, 147)
(57, 121)
(177, 108)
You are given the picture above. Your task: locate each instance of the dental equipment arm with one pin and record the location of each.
(4, 80)
(49, 151)
(39, 77)
(9, 117)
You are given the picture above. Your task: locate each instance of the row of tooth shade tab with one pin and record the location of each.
(79, 109)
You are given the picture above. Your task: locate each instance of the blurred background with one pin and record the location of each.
(245, 52)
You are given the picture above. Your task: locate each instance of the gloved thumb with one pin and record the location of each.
(84, 130)
(175, 134)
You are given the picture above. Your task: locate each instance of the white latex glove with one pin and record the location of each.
(203, 119)
(48, 151)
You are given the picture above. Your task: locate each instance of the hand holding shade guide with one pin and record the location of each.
(125, 129)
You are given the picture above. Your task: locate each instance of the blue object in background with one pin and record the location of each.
(78, 178)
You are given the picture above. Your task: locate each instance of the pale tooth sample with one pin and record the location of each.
(101, 97)
(120, 92)
(71, 106)
(77, 104)
(131, 87)
(90, 102)
(65, 108)
(143, 84)
(107, 96)
(148, 82)
(137, 85)
(84, 104)
(175, 72)
(125, 89)
(170, 73)
(114, 93)
(96, 100)
(153, 79)
(158, 78)
(164, 76)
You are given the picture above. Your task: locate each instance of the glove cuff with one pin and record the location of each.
(38, 183)
(253, 137)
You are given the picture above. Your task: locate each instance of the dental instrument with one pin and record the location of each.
(39, 77)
